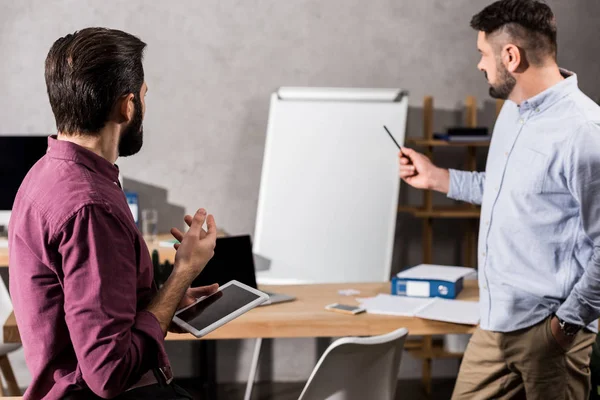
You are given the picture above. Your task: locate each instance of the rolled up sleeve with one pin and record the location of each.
(466, 186)
(114, 343)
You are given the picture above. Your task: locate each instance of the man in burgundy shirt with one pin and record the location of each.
(81, 278)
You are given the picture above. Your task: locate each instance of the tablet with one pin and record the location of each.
(208, 313)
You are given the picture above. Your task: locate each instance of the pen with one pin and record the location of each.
(389, 133)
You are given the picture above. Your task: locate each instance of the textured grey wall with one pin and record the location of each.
(211, 65)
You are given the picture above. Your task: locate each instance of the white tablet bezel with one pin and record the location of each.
(262, 297)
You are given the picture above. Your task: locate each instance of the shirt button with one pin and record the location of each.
(521, 121)
(506, 154)
(496, 188)
(483, 254)
(487, 222)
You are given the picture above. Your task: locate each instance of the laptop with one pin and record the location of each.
(234, 260)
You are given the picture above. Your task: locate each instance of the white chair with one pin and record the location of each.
(358, 368)
(6, 309)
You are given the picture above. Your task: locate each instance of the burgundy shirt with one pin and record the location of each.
(80, 278)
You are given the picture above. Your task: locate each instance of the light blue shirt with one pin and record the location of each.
(539, 236)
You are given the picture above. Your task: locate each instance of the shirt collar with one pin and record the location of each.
(548, 97)
(64, 150)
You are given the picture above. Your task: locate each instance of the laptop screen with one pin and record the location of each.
(17, 155)
(233, 260)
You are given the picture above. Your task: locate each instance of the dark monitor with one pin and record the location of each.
(233, 259)
(17, 155)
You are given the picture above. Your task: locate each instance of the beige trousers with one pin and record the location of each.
(525, 364)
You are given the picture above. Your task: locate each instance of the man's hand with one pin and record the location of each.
(418, 171)
(190, 296)
(193, 294)
(177, 234)
(563, 340)
(197, 245)
(196, 249)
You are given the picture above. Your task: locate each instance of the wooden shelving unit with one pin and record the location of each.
(443, 143)
(427, 211)
(427, 349)
(462, 212)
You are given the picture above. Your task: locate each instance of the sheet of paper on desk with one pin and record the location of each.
(437, 309)
(394, 305)
(455, 311)
(436, 272)
(168, 243)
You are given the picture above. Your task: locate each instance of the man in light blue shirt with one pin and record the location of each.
(539, 238)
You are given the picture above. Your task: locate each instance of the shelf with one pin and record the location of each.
(442, 212)
(443, 143)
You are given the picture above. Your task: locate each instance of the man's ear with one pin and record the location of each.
(125, 108)
(512, 57)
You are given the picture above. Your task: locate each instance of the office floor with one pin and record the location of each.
(407, 390)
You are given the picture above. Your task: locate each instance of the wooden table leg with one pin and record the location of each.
(427, 349)
(208, 368)
(9, 376)
(427, 240)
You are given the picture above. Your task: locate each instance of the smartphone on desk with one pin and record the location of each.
(345, 309)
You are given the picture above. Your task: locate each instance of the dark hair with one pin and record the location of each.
(530, 23)
(87, 72)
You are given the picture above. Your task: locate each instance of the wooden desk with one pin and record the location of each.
(306, 317)
(3, 257)
(164, 253)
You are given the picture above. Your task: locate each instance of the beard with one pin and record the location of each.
(132, 138)
(505, 85)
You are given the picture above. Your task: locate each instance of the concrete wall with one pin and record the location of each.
(211, 65)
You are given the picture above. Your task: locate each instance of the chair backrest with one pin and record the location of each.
(358, 368)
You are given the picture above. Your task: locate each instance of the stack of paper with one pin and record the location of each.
(394, 305)
(436, 272)
(455, 311)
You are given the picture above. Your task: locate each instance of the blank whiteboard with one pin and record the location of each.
(328, 197)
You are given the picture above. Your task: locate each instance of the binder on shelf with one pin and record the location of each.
(430, 281)
(462, 138)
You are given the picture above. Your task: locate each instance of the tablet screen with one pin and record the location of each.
(217, 306)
